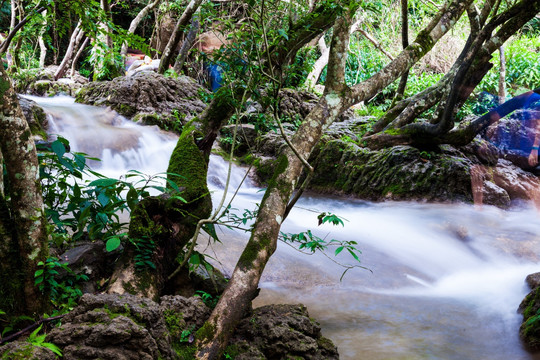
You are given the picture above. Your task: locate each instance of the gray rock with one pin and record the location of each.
(114, 327)
(533, 280)
(282, 332)
(192, 310)
(35, 116)
(23, 350)
(159, 100)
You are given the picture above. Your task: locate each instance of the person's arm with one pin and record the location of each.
(533, 156)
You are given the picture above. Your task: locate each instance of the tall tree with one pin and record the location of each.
(338, 97)
(23, 237)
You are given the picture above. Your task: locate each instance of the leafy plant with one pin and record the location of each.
(63, 294)
(207, 298)
(39, 340)
(77, 207)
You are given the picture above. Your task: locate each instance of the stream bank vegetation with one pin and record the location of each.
(415, 92)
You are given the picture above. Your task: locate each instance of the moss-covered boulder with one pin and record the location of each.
(35, 116)
(280, 332)
(114, 327)
(149, 97)
(23, 350)
(529, 330)
(397, 173)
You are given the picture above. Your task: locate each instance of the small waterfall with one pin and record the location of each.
(446, 280)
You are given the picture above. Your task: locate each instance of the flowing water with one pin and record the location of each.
(443, 281)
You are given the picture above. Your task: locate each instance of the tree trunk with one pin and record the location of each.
(405, 42)
(213, 336)
(168, 53)
(77, 56)
(186, 46)
(319, 65)
(473, 65)
(42, 46)
(502, 76)
(76, 37)
(29, 236)
(135, 22)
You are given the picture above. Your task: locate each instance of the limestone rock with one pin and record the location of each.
(155, 99)
(22, 350)
(533, 280)
(281, 332)
(113, 327)
(35, 116)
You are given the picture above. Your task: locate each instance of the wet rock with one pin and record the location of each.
(192, 311)
(519, 184)
(296, 105)
(529, 331)
(35, 116)
(41, 82)
(114, 327)
(281, 332)
(483, 150)
(91, 259)
(23, 350)
(533, 280)
(397, 173)
(149, 97)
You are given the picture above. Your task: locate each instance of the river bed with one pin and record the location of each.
(442, 281)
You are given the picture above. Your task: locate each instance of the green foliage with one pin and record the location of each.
(522, 70)
(144, 251)
(77, 207)
(63, 294)
(39, 340)
(208, 299)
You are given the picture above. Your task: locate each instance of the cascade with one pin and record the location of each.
(444, 280)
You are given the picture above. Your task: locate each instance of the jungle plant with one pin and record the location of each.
(39, 340)
(78, 207)
(63, 294)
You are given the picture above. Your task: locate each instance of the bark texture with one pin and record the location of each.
(25, 227)
(137, 20)
(168, 53)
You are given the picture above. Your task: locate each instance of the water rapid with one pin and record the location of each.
(443, 281)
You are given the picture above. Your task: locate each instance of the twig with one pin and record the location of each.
(29, 328)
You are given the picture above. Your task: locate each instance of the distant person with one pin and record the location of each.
(208, 43)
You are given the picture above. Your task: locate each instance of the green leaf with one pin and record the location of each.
(283, 33)
(103, 182)
(58, 148)
(38, 273)
(103, 199)
(338, 250)
(112, 244)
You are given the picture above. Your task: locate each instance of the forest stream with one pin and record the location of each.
(444, 281)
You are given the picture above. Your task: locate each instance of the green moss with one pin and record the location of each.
(206, 332)
(186, 352)
(252, 249)
(125, 109)
(188, 167)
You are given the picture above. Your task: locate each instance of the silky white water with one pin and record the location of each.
(444, 281)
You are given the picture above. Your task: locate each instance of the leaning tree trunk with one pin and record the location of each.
(168, 223)
(136, 21)
(42, 45)
(22, 223)
(168, 53)
(214, 335)
(76, 38)
(186, 45)
(473, 65)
